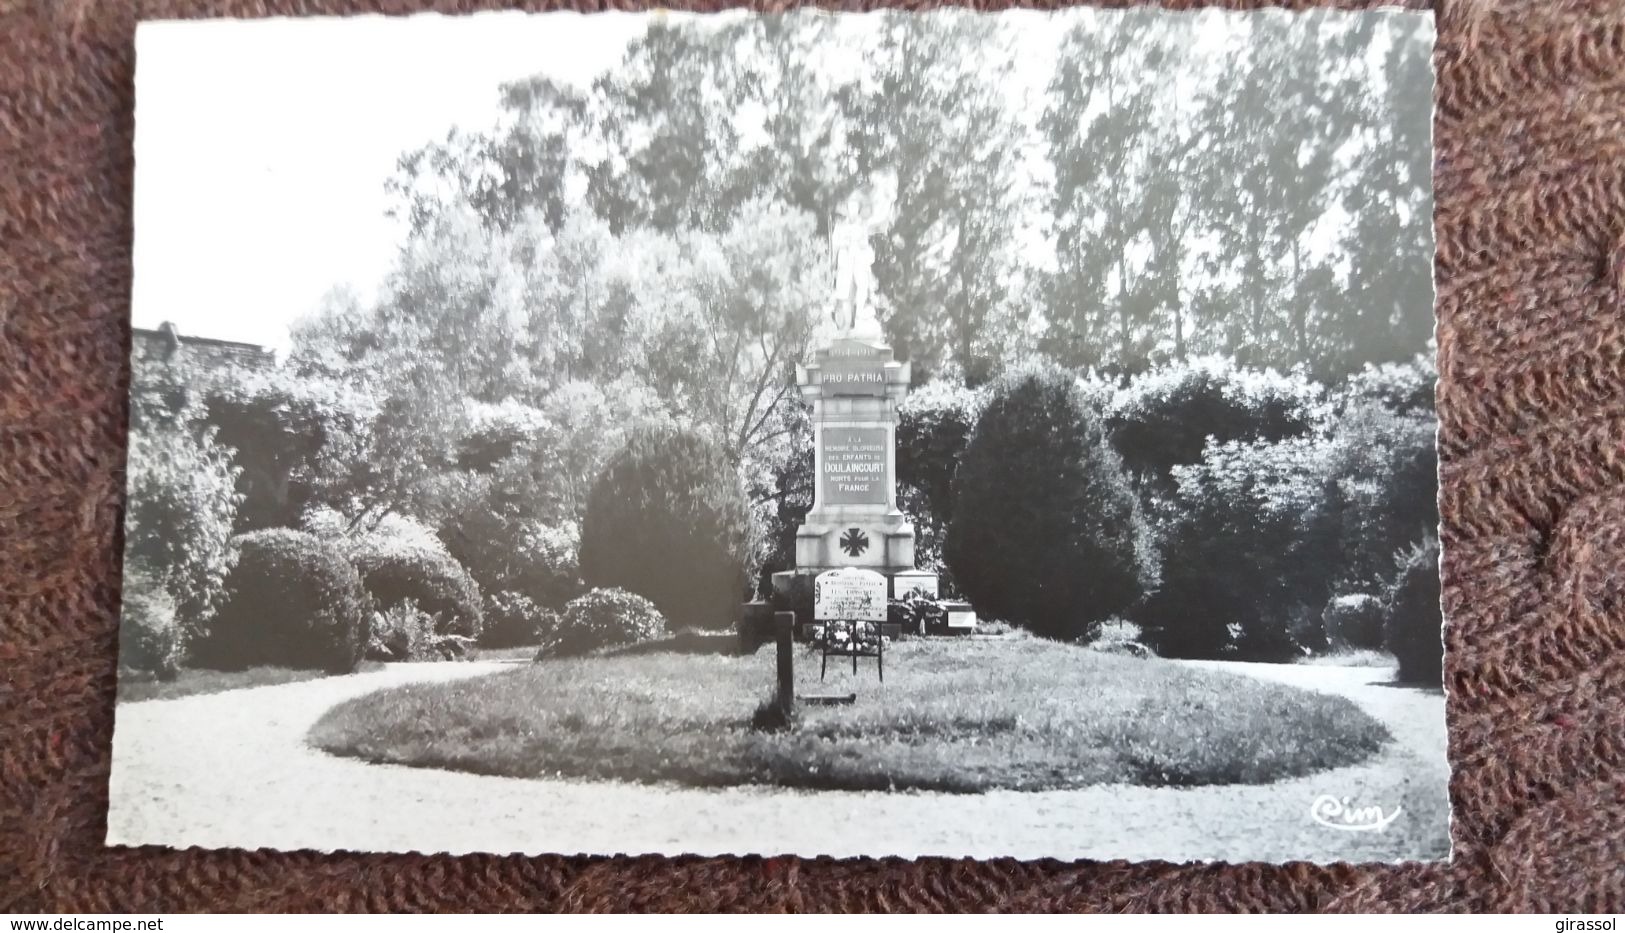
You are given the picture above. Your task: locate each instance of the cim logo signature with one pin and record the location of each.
(1339, 813)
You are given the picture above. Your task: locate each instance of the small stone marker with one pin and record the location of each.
(849, 593)
(961, 617)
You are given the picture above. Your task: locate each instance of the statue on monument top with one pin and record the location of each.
(854, 306)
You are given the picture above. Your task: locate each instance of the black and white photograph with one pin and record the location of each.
(851, 434)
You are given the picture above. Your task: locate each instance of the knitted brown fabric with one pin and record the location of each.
(1531, 274)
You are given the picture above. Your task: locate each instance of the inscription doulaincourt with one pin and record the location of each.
(855, 466)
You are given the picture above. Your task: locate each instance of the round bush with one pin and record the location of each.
(668, 520)
(603, 618)
(513, 620)
(1413, 628)
(292, 600)
(1046, 532)
(397, 569)
(1354, 621)
(148, 635)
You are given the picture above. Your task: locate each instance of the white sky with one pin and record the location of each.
(262, 147)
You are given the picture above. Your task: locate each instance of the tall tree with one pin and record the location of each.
(1298, 117)
(1129, 159)
(666, 124)
(1389, 243)
(938, 131)
(738, 312)
(524, 164)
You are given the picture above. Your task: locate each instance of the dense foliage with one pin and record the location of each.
(668, 520)
(178, 524)
(291, 600)
(1404, 388)
(1353, 621)
(1381, 490)
(148, 635)
(934, 425)
(602, 618)
(1188, 223)
(1047, 532)
(1247, 563)
(510, 510)
(513, 620)
(1414, 622)
(299, 441)
(410, 564)
(1164, 417)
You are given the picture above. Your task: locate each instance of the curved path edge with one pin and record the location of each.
(232, 770)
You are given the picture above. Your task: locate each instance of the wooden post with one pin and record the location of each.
(785, 627)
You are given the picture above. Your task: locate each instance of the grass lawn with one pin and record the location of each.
(954, 714)
(134, 687)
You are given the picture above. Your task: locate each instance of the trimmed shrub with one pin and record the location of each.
(1047, 533)
(292, 600)
(668, 520)
(402, 632)
(1354, 621)
(513, 620)
(395, 568)
(1413, 627)
(178, 524)
(603, 618)
(1247, 557)
(1164, 417)
(148, 635)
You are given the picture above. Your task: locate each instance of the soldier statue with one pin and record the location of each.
(854, 306)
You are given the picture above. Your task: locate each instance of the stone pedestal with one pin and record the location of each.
(854, 387)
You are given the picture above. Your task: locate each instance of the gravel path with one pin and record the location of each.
(232, 770)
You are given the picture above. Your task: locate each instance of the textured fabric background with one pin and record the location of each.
(1531, 271)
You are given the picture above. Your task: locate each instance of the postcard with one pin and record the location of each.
(887, 434)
